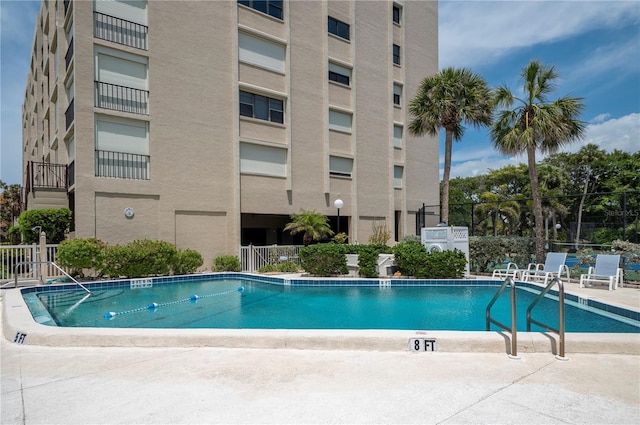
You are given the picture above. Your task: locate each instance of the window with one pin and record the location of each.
(339, 166)
(339, 74)
(260, 159)
(121, 82)
(340, 121)
(396, 54)
(396, 14)
(397, 136)
(338, 28)
(122, 148)
(261, 52)
(261, 107)
(397, 94)
(398, 172)
(270, 7)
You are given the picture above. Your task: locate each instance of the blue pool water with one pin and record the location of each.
(259, 305)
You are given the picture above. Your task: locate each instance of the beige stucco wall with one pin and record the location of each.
(195, 195)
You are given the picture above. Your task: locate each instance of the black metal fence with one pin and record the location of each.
(603, 217)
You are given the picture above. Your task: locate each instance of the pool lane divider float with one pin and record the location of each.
(154, 306)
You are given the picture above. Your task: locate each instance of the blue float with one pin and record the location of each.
(241, 289)
(152, 306)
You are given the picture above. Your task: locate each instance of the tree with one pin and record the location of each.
(536, 124)
(313, 224)
(449, 99)
(587, 156)
(10, 206)
(501, 211)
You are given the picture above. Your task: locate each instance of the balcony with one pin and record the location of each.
(122, 165)
(47, 176)
(69, 55)
(120, 31)
(120, 98)
(69, 114)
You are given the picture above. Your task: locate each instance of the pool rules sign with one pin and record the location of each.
(420, 345)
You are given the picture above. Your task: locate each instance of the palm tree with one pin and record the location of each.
(314, 225)
(449, 99)
(536, 124)
(500, 210)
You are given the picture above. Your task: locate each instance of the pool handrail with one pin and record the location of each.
(22, 263)
(560, 330)
(514, 324)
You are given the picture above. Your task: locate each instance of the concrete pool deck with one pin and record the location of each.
(76, 384)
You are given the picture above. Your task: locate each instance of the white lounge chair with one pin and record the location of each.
(553, 266)
(606, 271)
(512, 271)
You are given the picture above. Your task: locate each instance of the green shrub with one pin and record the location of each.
(324, 259)
(413, 260)
(79, 254)
(140, 258)
(411, 239)
(187, 261)
(14, 235)
(408, 257)
(368, 257)
(487, 252)
(54, 222)
(287, 267)
(268, 268)
(227, 263)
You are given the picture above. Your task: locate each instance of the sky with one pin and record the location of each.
(593, 45)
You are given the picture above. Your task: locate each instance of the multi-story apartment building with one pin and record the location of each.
(208, 123)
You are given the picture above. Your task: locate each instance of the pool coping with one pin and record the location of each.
(20, 327)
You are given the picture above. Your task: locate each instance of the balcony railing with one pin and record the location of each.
(69, 114)
(122, 165)
(44, 175)
(120, 30)
(69, 55)
(120, 98)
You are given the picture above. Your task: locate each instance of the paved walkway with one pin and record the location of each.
(68, 385)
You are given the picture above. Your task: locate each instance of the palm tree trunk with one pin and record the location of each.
(584, 195)
(537, 204)
(448, 142)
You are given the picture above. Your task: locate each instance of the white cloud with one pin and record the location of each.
(618, 133)
(600, 118)
(481, 32)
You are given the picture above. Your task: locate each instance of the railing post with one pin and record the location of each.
(43, 256)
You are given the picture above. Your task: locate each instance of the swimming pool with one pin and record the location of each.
(214, 301)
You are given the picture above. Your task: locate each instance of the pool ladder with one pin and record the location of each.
(22, 263)
(514, 328)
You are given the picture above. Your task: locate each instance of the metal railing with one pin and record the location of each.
(560, 330)
(121, 31)
(50, 263)
(514, 323)
(46, 175)
(253, 258)
(121, 98)
(11, 255)
(122, 165)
